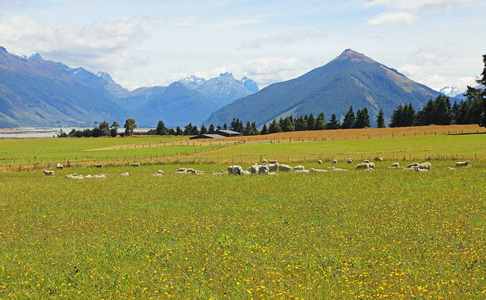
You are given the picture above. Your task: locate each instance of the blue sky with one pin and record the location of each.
(146, 42)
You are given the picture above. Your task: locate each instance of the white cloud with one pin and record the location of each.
(6, 3)
(432, 55)
(433, 80)
(282, 38)
(406, 11)
(101, 45)
(393, 17)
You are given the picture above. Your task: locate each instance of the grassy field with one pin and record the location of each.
(347, 235)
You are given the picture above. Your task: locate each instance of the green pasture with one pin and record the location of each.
(73, 149)
(155, 149)
(440, 147)
(388, 233)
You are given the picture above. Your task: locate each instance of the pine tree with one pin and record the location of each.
(311, 122)
(287, 125)
(380, 119)
(264, 130)
(203, 130)
(333, 123)
(320, 122)
(362, 119)
(300, 124)
(349, 119)
(211, 128)
(274, 127)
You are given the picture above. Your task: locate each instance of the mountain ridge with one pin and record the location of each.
(350, 79)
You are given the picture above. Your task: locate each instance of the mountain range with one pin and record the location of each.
(351, 79)
(37, 92)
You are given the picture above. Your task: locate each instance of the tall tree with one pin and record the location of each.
(320, 122)
(349, 119)
(482, 95)
(104, 128)
(264, 130)
(380, 119)
(274, 127)
(287, 125)
(114, 129)
(362, 119)
(161, 129)
(311, 122)
(130, 126)
(211, 129)
(300, 124)
(203, 129)
(333, 123)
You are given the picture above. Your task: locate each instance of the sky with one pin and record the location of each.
(154, 43)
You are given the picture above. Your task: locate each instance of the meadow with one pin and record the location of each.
(347, 235)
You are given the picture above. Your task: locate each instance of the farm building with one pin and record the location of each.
(218, 134)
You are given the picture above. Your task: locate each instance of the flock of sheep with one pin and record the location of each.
(271, 168)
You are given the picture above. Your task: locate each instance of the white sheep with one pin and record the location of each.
(181, 171)
(378, 159)
(312, 170)
(425, 166)
(49, 173)
(253, 169)
(410, 166)
(461, 164)
(372, 165)
(299, 168)
(235, 170)
(88, 176)
(245, 172)
(298, 171)
(98, 165)
(263, 169)
(100, 176)
(450, 168)
(59, 166)
(366, 161)
(284, 168)
(74, 176)
(273, 162)
(339, 170)
(349, 161)
(124, 174)
(395, 165)
(418, 169)
(319, 162)
(135, 164)
(362, 166)
(272, 167)
(157, 174)
(334, 161)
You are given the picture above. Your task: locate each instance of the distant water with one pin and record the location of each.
(45, 132)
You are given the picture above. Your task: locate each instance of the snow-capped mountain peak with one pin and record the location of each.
(452, 91)
(35, 56)
(192, 81)
(105, 76)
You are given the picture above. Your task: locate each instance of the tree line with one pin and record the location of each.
(102, 130)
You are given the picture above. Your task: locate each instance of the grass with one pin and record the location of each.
(347, 235)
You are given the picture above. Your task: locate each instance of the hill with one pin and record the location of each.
(351, 79)
(36, 92)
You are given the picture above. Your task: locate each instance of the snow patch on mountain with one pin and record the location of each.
(452, 91)
(223, 89)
